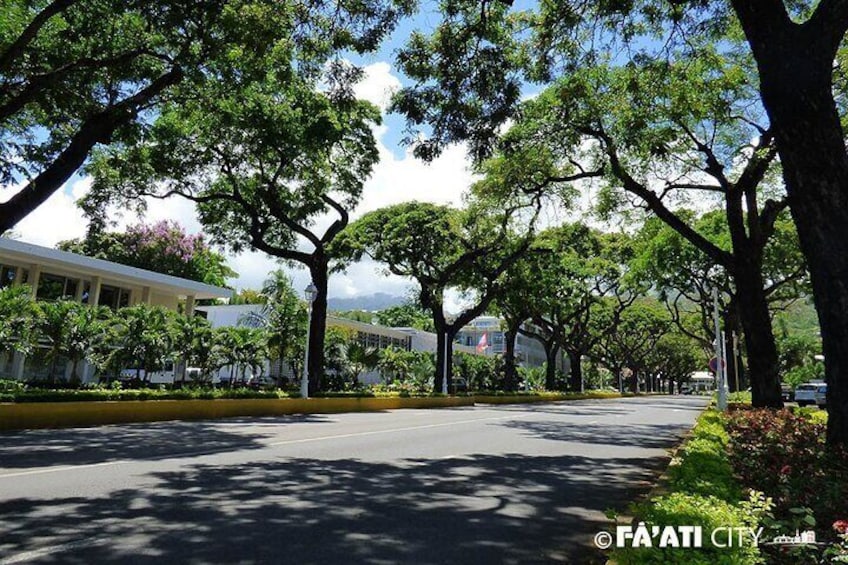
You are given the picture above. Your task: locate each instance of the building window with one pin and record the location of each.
(7, 275)
(114, 297)
(54, 287)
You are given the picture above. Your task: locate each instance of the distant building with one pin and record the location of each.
(529, 352)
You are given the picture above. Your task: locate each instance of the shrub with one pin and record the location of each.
(704, 492)
(709, 512)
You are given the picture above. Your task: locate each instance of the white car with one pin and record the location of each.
(821, 396)
(806, 393)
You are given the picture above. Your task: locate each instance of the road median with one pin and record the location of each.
(40, 415)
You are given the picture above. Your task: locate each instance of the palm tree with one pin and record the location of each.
(394, 362)
(191, 343)
(19, 319)
(142, 338)
(54, 327)
(359, 359)
(284, 316)
(241, 348)
(87, 330)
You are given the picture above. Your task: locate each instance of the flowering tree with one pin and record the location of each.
(164, 247)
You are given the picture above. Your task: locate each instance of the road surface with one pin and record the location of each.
(488, 484)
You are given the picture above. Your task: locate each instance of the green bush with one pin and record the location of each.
(703, 492)
(115, 394)
(709, 512)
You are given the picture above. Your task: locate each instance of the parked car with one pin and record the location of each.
(806, 393)
(787, 393)
(821, 396)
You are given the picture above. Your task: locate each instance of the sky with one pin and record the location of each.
(398, 177)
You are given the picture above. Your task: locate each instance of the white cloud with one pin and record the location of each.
(58, 218)
(378, 85)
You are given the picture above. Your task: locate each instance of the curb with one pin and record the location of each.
(41, 415)
(38, 415)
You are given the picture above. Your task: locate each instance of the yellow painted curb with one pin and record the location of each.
(31, 415)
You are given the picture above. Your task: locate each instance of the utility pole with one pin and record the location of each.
(719, 347)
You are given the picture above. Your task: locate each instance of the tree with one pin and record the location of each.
(439, 247)
(359, 358)
(275, 168)
(241, 348)
(87, 328)
(394, 363)
(469, 75)
(686, 277)
(192, 345)
(283, 315)
(78, 73)
(407, 315)
(164, 247)
(675, 357)
(19, 319)
(53, 328)
(628, 338)
(142, 340)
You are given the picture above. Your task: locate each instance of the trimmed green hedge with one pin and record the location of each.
(83, 395)
(702, 491)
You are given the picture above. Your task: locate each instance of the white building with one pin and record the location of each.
(54, 275)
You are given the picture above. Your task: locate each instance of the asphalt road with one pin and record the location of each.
(499, 484)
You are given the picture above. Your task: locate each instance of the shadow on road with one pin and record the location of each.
(140, 442)
(649, 436)
(479, 509)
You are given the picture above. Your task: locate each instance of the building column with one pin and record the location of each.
(80, 290)
(19, 276)
(94, 291)
(146, 295)
(34, 278)
(189, 305)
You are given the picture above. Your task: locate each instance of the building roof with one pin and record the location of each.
(72, 264)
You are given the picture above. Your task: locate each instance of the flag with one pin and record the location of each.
(482, 344)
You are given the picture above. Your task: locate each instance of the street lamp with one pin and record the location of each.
(310, 292)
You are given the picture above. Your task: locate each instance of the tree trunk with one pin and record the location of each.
(575, 371)
(551, 351)
(441, 339)
(510, 381)
(634, 381)
(795, 65)
(317, 326)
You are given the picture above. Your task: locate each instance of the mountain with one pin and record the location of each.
(368, 302)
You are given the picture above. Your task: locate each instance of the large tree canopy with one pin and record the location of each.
(78, 73)
(774, 61)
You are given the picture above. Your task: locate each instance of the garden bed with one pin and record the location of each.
(751, 469)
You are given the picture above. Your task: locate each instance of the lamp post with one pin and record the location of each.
(310, 293)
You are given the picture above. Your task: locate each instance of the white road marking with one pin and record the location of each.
(50, 549)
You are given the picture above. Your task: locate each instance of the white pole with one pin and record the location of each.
(722, 389)
(445, 374)
(724, 383)
(304, 380)
(735, 359)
